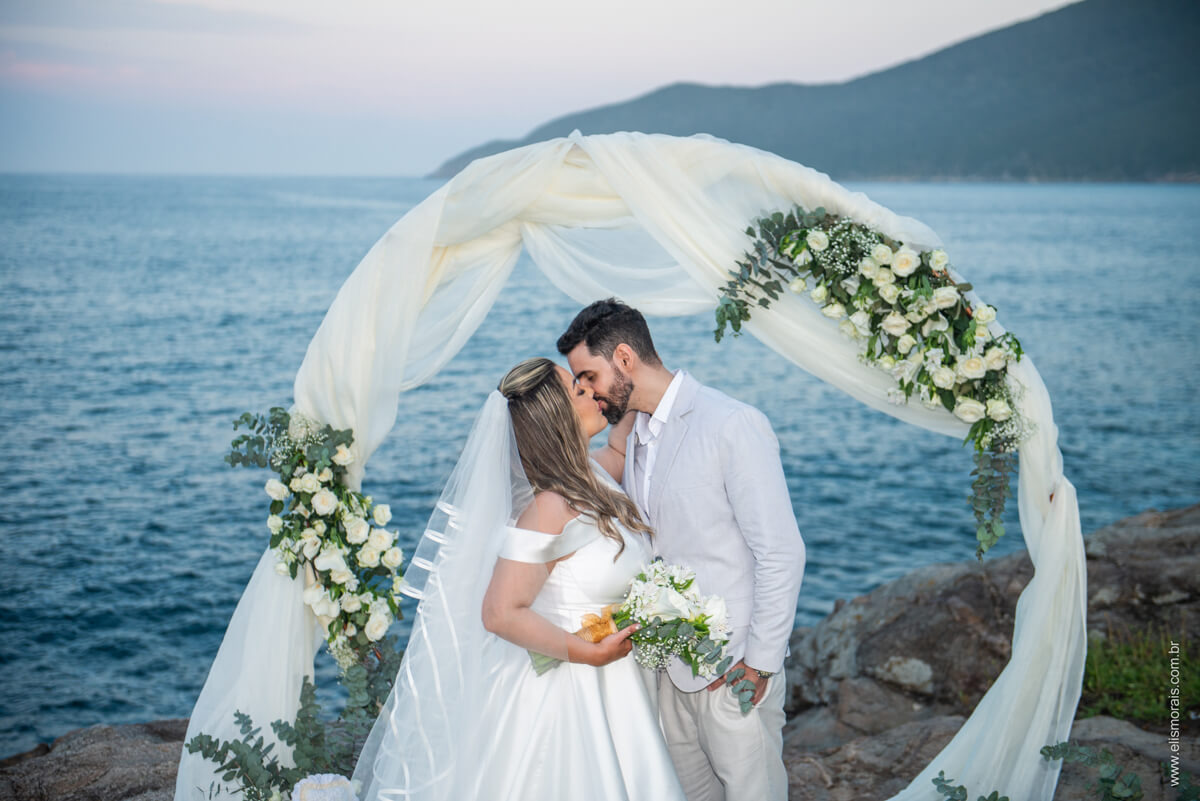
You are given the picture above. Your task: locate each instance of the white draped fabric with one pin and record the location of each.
(658, 221)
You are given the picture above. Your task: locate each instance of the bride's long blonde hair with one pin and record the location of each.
(554, 449)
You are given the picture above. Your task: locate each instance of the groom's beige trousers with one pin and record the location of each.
(719, 753)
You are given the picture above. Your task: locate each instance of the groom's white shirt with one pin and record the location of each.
(646, 430)
(718, 501)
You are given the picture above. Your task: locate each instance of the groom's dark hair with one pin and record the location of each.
(605, 324)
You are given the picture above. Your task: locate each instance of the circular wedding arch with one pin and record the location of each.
(658, 221)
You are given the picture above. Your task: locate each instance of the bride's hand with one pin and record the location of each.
(612, 647)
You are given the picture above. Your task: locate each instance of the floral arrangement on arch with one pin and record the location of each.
(315, 519)
(910, 316)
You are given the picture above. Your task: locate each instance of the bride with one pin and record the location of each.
(530, 535)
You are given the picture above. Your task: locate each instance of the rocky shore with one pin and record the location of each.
(875, 690)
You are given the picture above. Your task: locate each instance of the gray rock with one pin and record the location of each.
(100, 763)
(879, 766)
(932, 642)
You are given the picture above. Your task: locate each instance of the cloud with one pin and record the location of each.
(141, 15)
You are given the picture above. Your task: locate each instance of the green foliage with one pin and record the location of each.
(909, 315)
(959, 792)
(1113, 782)
(1187, 789)
(1128, 675)
(253, 449)
(990, 489)
(317, 746)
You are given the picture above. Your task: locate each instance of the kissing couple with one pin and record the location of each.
(533, 532)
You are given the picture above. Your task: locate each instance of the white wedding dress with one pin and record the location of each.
(469, 719)
(575, 732)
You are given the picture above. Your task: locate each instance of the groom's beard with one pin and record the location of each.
(616, 401)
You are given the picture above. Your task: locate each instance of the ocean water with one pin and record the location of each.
(142, 314)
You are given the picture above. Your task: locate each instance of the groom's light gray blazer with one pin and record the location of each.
(719, 504)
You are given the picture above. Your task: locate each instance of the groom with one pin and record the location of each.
(704, 470)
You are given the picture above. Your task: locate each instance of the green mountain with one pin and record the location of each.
(1098, 90)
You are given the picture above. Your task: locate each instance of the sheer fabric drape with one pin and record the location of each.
(658, 221)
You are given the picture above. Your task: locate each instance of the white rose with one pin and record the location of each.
(324, 502)
(715, 611)
(377, 626)
(984, 314)
(392, 557)
(342, 456)
(868, 267)
(944, 378)
(889, 292)
(847, 328)
(312, 594)
(938, 259)
(368, 557)
(325, 476)
(383, 513)
(798, 285)
(276, 489)
(275, 523)
(995, 358)
(917, 313)
(982, 334)
(895, 324)
(972, 368)
(330, 559)
(887, 362)
(309, 483)
(851, 284)
(817, 240)
(380, 539)
(351, 629)
(351, 602)
(820, 293)
(998, 409)
(862, 322)
(882, 254)
(884, 276)
(668, 604)
(327, 607)
(282, 569)
(905, 370)
(936, 323)
(319, 527)
(968, 410)
(945, 297)
(834, 311)
(802, 258)
(905, 262)
(311, 548)
(341, 577)
(905, 343)
(296, 484)
(357, 530)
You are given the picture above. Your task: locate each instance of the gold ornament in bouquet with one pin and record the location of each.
(673, 619)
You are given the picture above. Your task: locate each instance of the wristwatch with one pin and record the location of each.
(763, 674)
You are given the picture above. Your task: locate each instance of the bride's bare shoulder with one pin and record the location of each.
(548, 513)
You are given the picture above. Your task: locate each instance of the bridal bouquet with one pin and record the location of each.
(674, 620)
(910, 316)
(318, 523)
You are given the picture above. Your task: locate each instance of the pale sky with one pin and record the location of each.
(394, 87)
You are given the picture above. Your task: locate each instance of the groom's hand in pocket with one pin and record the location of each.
(738, 673)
